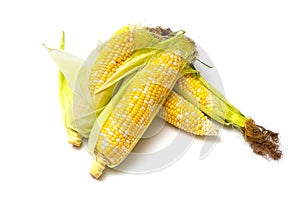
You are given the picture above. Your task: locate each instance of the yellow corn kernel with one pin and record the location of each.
(184, 115)
(135, 110)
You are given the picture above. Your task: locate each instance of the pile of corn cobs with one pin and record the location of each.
(112, 96)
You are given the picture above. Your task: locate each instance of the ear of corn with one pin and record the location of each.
(194, 88)
(69, 66)
(130, 116)
(124, 120)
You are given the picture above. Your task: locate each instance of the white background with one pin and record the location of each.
(255, 46)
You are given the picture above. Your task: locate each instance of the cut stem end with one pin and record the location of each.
(97, 168)
(74, 138)
(263, 142)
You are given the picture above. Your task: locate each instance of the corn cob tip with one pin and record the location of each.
(97, 168)
(263, 142)
(213, 131)
(74, 138)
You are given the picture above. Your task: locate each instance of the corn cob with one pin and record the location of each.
(122, 123)
(184, 115)
(206, 98)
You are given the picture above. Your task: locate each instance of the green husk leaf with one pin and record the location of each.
(230, 114)
(68, 64)
(78, 115)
